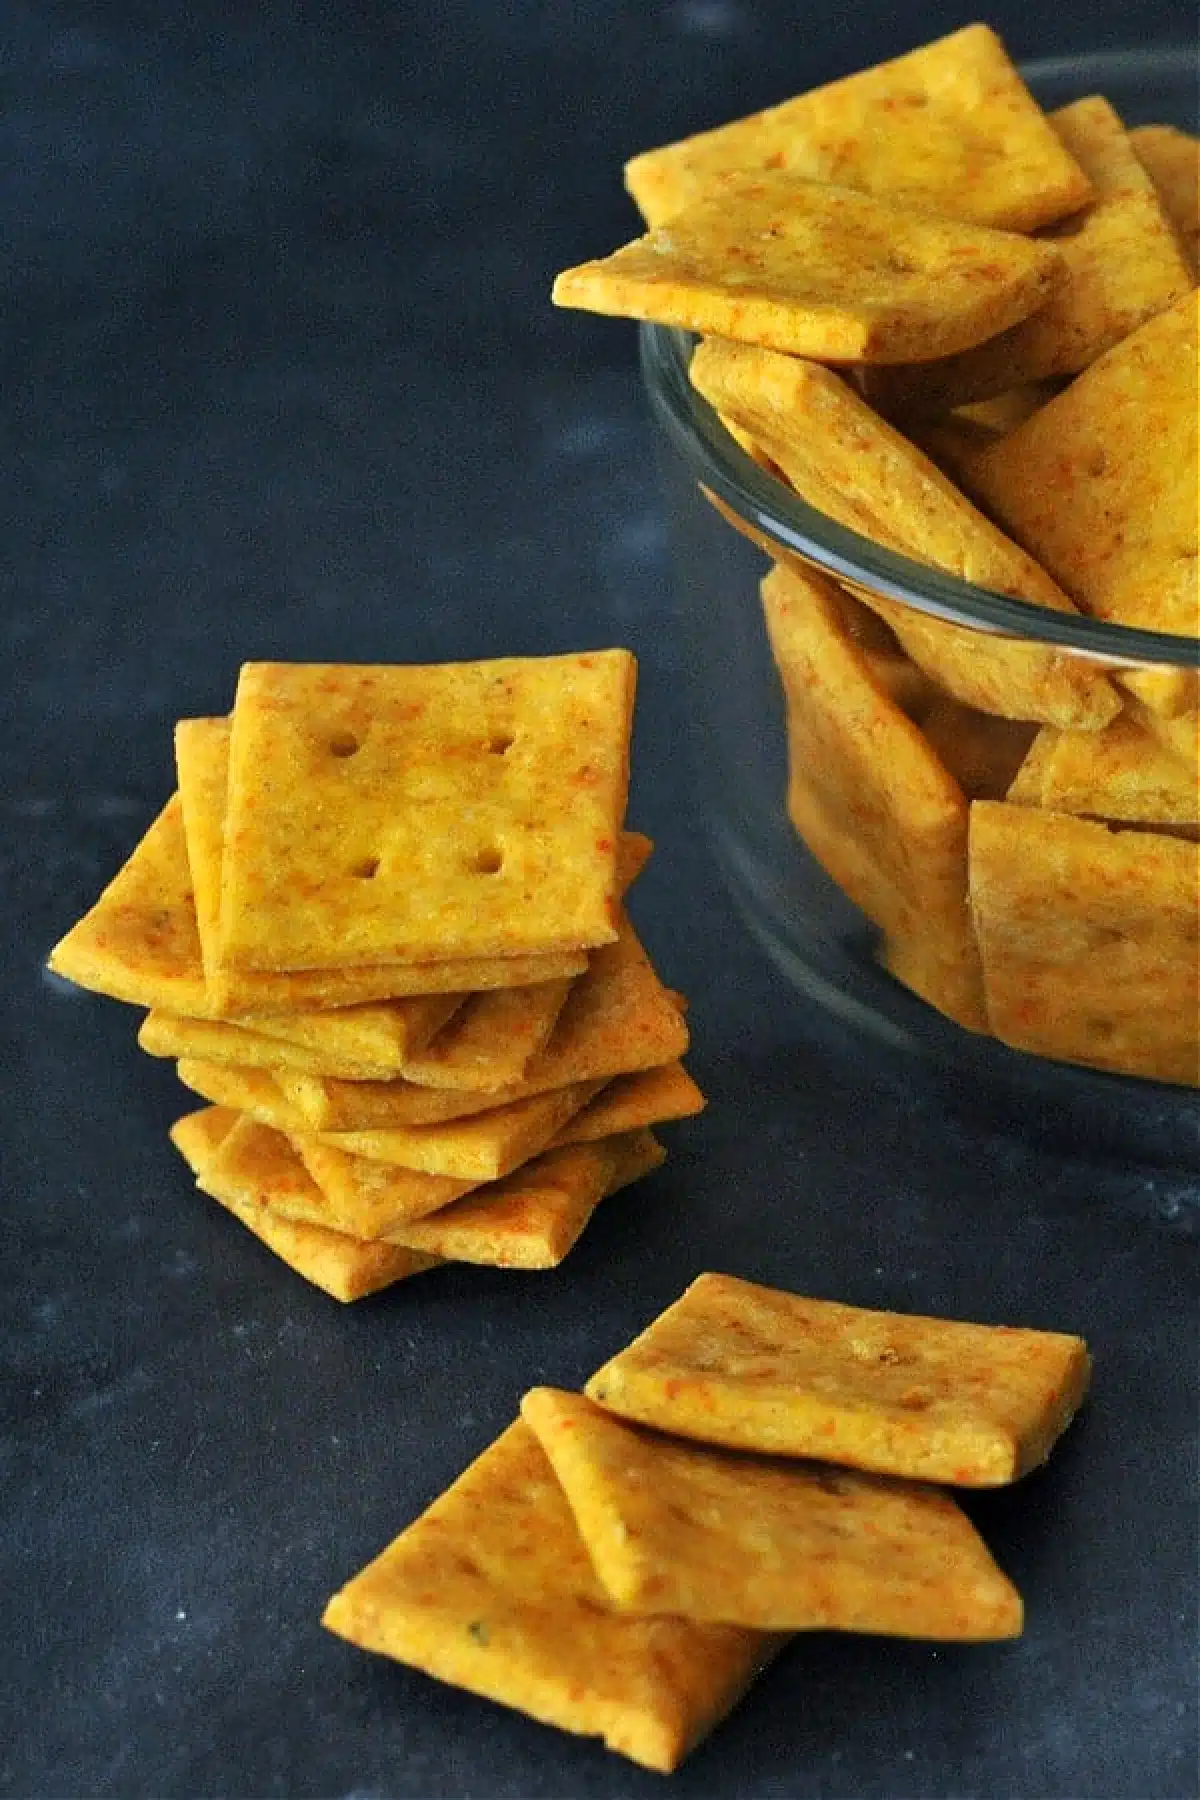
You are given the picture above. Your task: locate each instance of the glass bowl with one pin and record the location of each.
(823, 947)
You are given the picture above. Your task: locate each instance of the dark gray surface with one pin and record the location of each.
(279, 378)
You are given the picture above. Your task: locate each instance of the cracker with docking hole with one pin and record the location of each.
(844, 459)
(754, 1368)
(779, 1545)
(949, 128)
(490, 1042)
(139, 943)
(870, 799)
(492, 1590)
(411, 813)
(1171, 158)
(1124, 264)
(533, 1217)
(1088, 938)
(1100, 485)
(202, 759)
(821, 271)
(484, 1146)
(247, 1168)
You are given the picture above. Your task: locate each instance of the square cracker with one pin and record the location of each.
(219, 1040)
(489, 1043)
(1121, 774)
(492, 1591)
(139, 941)
(754, 1368)
(365, 1199)
(1124, 263)
(532, 1218)
(246, 1168)
(482, 1147)
(618, 1018)
(411, 814)
(1172, 160)
(820, 271)
(254, 1092)
(1101, 486)
(1089, 940)
(650, 1097)
(870, 799)
(711, 1534)
(844, 459)
(202, 760)
(948, 128)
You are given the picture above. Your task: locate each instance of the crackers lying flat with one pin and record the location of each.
(612, 1567)
(458, 1066)
(827, 252)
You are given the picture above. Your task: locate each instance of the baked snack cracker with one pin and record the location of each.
(492, 1590)
(821, 271)
(411, 814)
(247, 1168)
(532, 1218)
(1089, 940)
(949, 128)
(844, 459)
(484, 1146)
(1121, 774)
(366, 1199)
(751, 1540)
(1101, 484)
(753, 1368)
(651, 1097)
(220, 1040)
(139, 942)
(853, 755)
(252, 1091)
(1172, 159)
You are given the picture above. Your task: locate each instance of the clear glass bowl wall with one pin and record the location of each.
(821, 945)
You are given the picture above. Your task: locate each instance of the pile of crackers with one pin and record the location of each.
(380, 927)
(967, 330)
(622, 1562)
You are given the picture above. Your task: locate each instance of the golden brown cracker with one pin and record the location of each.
(492, 1591)
(1172, 160)
(868, 796)
(754, 1368)
(199, 1135)
(778, 1545)
(254, 1092)
(336, 1106)
(949, 128)
(845, 460)
(651, 1097)
(1123, 260)
(532, 1218)
(820, 271)
(366, 1199)
(1121, 774)
(249, 1171)
(1089, 940)
(219, 1040)
(202, 760)
(139, 942)
(484, 1146)
(1101, 486)
(412, 814)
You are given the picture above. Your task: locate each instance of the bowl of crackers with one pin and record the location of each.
(923, 347)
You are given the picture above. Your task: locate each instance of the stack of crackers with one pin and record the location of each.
(380, 927)
(622, 1562)
(967, 330)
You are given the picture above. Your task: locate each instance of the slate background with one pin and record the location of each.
(279, 378)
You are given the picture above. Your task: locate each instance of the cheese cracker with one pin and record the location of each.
(482, 1147)
(754, 1368)
(492, 1591)
(1172, 160)
(673, 1527)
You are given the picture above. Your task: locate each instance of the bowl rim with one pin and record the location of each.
(782, 516)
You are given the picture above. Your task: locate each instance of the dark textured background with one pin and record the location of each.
(278, 377)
